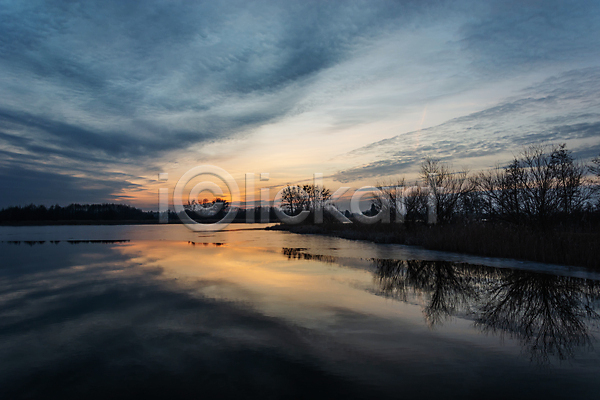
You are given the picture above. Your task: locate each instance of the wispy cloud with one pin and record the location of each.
(559, 109)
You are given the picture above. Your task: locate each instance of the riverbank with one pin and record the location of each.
(554, 246)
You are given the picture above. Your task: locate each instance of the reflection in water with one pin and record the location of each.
(271, 315)
(549, 314)
(445, 289)
(299, 253)
(206, 244)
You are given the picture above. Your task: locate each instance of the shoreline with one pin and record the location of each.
(477, 239)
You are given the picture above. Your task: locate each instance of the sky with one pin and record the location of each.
(97, 99)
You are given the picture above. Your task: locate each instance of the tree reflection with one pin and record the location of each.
(299, 253)
(549, 314)
(445, 289)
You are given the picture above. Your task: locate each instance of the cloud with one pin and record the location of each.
(21, 186)
(558, 109)
(517, 35)
(177, 73)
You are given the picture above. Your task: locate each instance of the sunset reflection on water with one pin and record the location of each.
(267, 312)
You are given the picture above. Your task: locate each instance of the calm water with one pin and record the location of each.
(162, 312)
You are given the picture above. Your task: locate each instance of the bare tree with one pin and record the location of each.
(294, 199)
(570, 181)
(540, 183)
(488, 187)
(391, 197)
(316, 196)
(449, 187)
(595, 184)
(407, 203)
(501, 192)
(415, 203)
(595, 168)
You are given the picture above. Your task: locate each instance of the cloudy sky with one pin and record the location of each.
(96, 99)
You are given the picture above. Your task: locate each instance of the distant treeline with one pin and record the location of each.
(210, 212)
(117, 213)
(76, 212)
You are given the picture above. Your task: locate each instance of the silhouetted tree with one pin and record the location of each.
(315, 197)
(539, 184)
(293, 199)
(449, 188)
(595, 167)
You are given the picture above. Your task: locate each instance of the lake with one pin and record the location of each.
(153, 311)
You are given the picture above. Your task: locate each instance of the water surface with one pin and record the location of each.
(162, 312)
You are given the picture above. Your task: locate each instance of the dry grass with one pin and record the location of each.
(556, 245)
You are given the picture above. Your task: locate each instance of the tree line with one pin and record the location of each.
(76, 212)
(541, 185)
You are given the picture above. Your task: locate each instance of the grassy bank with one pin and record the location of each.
(558, 245)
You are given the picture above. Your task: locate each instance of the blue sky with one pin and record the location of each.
(97, 98)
